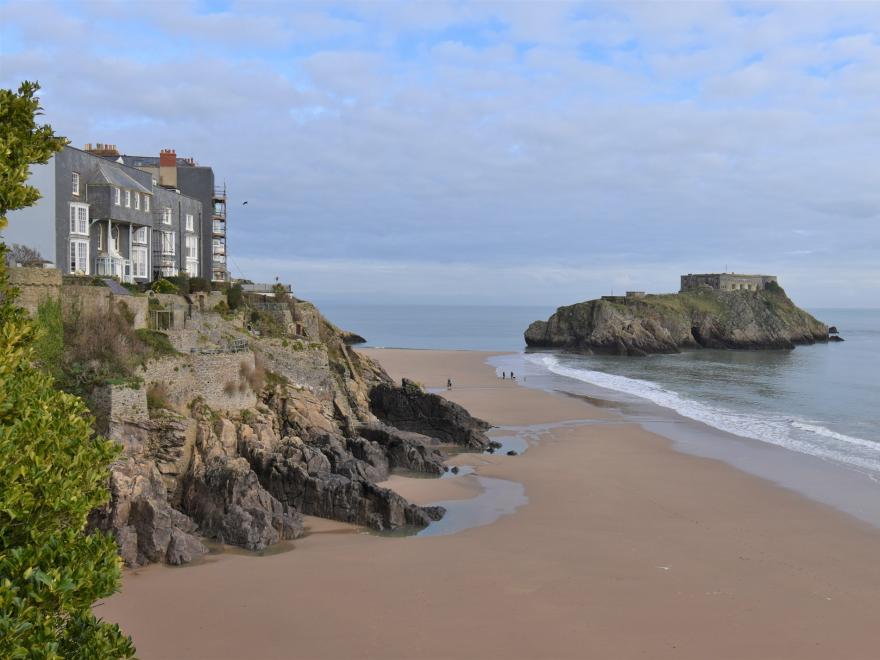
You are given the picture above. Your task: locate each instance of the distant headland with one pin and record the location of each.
(711, 310)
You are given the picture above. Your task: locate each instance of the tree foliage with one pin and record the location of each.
(22, 143)
(25, 255)
(53, 468)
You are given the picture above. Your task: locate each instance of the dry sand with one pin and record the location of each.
(626, 549)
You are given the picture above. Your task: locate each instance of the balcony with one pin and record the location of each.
(219, 228)
(114, 267)
(219, 258)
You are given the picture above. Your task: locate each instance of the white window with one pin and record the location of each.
(117, 196)
(79, 256)
(146, 203)
(192, 247)
(137, 201)
(166, 215)
(139, 235)
(192, 267)
(139, 261)
(79, 219)
(76, 183)
(100, 236)
(114, 239)
(189, 222)
(128, 199)
(163, 241)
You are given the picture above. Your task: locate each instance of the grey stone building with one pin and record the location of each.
(726, 281)
(101, 217)
(196, 181)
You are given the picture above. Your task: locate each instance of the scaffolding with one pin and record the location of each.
(219, 272)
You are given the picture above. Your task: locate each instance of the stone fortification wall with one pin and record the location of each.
(726, 281)
(302, 365)
(35, 285)
(225, 381)
(99, 300)
(116, 405)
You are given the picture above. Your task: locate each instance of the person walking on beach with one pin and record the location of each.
(503, 375)
(448, 383)
(512, 377)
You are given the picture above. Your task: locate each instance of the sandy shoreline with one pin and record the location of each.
(625, 548)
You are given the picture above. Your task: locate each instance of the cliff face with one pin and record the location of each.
(318, 439)
(671, 322)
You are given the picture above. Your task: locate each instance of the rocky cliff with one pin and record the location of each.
(328, 425)
(669, 323)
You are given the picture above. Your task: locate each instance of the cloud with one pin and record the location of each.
(492, 151)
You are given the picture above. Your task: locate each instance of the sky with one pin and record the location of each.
(498, 152)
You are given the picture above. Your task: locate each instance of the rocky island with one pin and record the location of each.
(710, 311)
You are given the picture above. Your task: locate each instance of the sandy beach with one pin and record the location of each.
(624, 549)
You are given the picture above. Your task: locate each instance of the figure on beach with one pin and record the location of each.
(448, 383)
(503, 375)
(512, 377)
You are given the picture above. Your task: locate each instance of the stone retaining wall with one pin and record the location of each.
(35, 285)
(222, 380)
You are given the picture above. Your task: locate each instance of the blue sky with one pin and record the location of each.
(462, 152)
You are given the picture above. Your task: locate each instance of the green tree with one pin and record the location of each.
(22, 143)
(53, 468)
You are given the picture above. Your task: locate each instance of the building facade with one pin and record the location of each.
(197, 182)
(100, 217)
(726, 281)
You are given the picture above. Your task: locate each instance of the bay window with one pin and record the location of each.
(79, 219)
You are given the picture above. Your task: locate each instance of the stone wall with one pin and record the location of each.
(86, 299)
(223, 380)
(307, 367)
(114, 405)
(137, 306)
(726, 281)
(35, 285)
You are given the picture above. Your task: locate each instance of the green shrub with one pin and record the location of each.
(234, 296)
(49, 342)
(199, 284)
(164, 286)
(157, 397)
(54, 471)
(157, 342)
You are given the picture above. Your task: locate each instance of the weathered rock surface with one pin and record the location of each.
(668, 323)
(410, 408)
(313, 444)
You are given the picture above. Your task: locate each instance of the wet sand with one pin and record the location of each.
(625, 549)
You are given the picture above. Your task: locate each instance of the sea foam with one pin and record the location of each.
(805, 436)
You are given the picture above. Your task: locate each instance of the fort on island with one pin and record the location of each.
(726, 282)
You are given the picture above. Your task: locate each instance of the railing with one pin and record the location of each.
(264, 288)
(161, 319)
(219, 228)
(219, 258)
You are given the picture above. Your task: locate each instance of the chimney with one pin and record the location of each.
(168, 168)
(101, 149)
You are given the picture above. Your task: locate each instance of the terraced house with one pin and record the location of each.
(100, 216)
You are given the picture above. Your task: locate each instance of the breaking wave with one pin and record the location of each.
(804, 436)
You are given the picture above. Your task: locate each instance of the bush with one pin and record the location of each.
(54, 471)
(164, 286)
(199, 284)
(49, 342)
(157, 342)
(234, 296)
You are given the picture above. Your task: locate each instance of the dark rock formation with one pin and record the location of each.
(412, 409)
(668, 323)
(146, 528)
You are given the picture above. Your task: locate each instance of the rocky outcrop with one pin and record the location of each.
(328, 426)
(668, 323)
(410, 408)
(146, 527)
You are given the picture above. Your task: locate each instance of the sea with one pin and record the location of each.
(807, 419)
